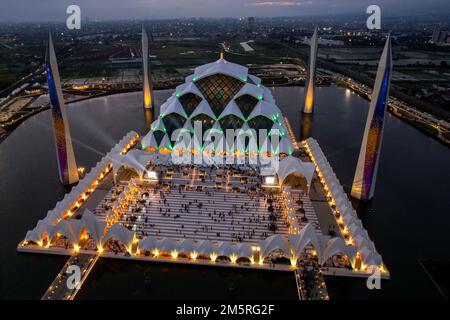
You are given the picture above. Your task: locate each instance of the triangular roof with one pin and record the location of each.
(158, 125)
(217, 127)
(263, 108)
(281, 129)
(284, 146)
(188, 126)
(244, 129)
(165, 142)
(255, 79)
(149, 141)
(221, 66)
(252, 90)
(188, 87)
(232, 109)
(268, 97)
(172, 105)
(203, 108)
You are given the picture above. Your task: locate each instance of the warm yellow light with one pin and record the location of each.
(100, 249)
(233, 258)
(76, 248)
(174, 253)
(194, 255)
(213, 256)
(147, 97)
(293, 260)
(155, 252)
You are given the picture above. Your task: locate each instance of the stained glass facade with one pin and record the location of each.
(246, 103)
(260, 122)
(172, 122)
(207, 122)
(218, 90)
(189, 101)
(231, 122)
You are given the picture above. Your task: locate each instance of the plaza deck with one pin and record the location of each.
(215, 204)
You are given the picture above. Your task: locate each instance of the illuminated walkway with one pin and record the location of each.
(59, 290)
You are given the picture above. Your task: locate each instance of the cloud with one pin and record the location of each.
(55, 10)
(278, 3)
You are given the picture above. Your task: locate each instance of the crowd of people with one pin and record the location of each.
(214, 214)
(312, 283)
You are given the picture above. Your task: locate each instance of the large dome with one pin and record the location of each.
(222, 95)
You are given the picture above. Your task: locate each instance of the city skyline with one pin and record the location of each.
(30, 11)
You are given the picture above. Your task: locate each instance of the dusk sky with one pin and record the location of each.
(54, 10)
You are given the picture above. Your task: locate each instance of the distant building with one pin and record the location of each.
(440, 36)
(251, 23)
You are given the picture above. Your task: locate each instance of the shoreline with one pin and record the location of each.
(423, 127)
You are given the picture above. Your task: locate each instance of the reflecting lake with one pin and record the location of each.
(407, 219)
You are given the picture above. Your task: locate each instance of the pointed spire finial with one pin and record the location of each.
(221, 54)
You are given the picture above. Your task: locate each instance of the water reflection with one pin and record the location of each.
(149, 116)
(306, 126)
(29, 187)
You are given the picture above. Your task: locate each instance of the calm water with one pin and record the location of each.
(407, 219)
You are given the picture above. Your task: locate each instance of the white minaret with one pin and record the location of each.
(311, 77)
(363, 186)
(147, 83)
(68, 171)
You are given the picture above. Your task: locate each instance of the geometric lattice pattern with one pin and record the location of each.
(218, 90)
(189, 101)
(246, 103)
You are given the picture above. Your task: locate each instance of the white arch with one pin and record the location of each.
(291, 165)
(307, 235)
(95, 228)
(149, 243)
(135, 159)
(120, 233)
(71, 229)
(272, 243)
(335, 246)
